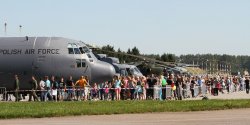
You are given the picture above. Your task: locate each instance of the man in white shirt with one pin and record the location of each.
(41, 86)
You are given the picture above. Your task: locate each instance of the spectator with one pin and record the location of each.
(192, 85)
(163, 84)
(106, 90)
(16, 85)
(216, 86)
(81, 83)
(123, 90)
(247, 84)
(112, 90)
(47, 89)
(178, 85)
(33, 83)
(150, 83)
(42, 89)
(54, 86)
(62, 89)
(144, 86)
(117, 83)
(94, 91)
(70, 88)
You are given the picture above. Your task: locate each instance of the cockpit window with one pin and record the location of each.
(132, 71)
(81, 49)
(136, 69)
(85, 49)
(129, 71)
(74, 49)
(77, 51)
(71, 51)
(124, 72)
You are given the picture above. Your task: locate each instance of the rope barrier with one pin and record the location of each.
(87, 88)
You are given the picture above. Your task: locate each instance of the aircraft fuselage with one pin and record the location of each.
(48, 56)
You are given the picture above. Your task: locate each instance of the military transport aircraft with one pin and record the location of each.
(47, 56)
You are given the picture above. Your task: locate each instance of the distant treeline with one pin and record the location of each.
(206, 61)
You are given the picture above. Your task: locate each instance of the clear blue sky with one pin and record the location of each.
(154, 26)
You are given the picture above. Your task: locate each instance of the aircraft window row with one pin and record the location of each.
(73, 48)
(80, 63)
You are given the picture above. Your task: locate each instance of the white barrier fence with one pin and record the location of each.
(3, 94)
(110, 95)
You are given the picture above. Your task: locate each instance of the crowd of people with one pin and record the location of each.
(162, 87)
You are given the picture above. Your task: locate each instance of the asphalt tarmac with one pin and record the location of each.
(225, 117)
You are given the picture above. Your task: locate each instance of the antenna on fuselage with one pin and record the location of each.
(20, 30)
(5, 29)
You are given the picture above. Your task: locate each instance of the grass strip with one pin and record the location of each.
(57, 109)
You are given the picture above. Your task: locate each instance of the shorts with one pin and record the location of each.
(71, 91)
(86, 91)
(118, 90)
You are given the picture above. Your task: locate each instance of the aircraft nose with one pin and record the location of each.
(102, 72)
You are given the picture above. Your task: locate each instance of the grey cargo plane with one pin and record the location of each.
(41, 56)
